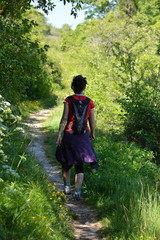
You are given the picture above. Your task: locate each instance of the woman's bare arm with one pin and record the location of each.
(92, 124)
(63, 122)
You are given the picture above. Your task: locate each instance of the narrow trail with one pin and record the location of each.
(85, 226)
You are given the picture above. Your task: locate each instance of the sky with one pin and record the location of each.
(61, 15)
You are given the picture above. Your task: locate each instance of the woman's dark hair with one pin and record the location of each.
(78, 84)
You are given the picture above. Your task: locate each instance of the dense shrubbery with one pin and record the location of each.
(23, 62)
(142, 116)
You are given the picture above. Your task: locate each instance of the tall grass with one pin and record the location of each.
(51, 125)
(145, 215)
(125, 189)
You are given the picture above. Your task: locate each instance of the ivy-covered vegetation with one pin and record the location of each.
(118, 50)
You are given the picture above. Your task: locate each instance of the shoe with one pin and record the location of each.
(67, 189)
(77, 195)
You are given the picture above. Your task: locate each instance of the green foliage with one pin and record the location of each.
(120, 188)
(33, 212)
(119, 55)
(130, 7)
(137, 64)
(124, 189)
(141, 118)
(22, 61)
(20, 6)
(98, 8)
(30, 208)
(26, 71)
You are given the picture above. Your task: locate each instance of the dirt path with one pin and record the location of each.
(85, 226)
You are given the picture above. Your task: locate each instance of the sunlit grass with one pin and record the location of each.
(51, 126)
(149, 213)
(34, 211)
(52, 122)
(29, 106)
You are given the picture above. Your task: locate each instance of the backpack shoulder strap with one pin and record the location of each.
(72, 99)
(87, 100)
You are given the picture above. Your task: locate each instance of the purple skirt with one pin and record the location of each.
(76, 149)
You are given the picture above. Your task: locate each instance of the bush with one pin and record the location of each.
(142, 116)
(25, 70)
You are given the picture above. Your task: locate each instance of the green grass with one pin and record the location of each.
(26, 107)
(51, 125)
(30, 207)
(124, 190)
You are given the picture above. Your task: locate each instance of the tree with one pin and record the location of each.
(24, 68)
(130, 7)
(99, 8)
(15, 8)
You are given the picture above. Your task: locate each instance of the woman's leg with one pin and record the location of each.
(66, 176)
(66, 179)
(79, 176)
(79, 180)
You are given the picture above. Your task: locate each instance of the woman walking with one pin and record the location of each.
(75, 148)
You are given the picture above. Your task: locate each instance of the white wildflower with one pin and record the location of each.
(13, 117)
(9, 170)
(20, 129)
(1, 151)
(18, 118)
(7, 103)
(3, 128)
(2, 134)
